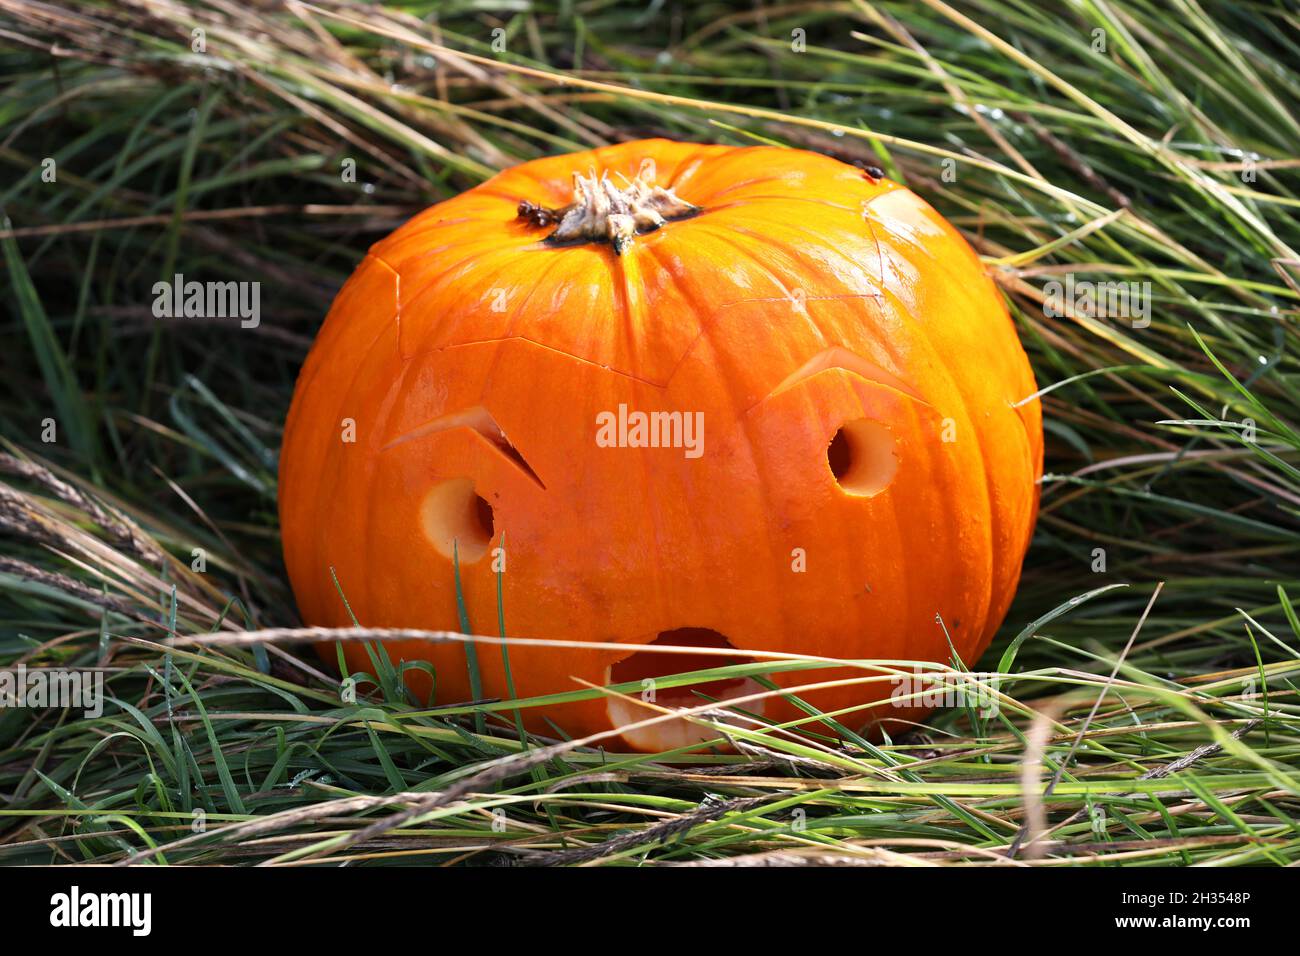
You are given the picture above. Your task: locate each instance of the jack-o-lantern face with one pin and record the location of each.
(787, 419)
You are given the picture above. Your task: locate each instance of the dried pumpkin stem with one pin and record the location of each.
(602, 212)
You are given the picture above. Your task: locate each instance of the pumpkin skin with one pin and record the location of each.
(475, 358)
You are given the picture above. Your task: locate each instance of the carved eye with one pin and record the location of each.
(453, 514)
(453, 511)
(862, 458)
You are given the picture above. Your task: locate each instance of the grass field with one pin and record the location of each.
(1148, 711)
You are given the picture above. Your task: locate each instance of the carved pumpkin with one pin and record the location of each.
(710, 396)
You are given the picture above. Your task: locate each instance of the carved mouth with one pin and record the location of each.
(648, 667)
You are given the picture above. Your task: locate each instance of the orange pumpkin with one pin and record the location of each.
(713, 396)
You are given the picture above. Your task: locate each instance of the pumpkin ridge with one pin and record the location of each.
(742, 184)
(687, 170)
(957, 389)
(728, 235)
(455, 213)
(933, 261)
(897, 308)
(691, 163)
(642, 357)
(847, 532)
(915, 244)
(359, 593)
(430, 254)
(311, 369)
(472, 270)
(897, 524)
(812, 171)
(542, 345)
(953, 282)
(302, 416)
(918, 324)
(761, 237)
(660, 599)
(875, 281)
(779, 197)
(724, 237)
(880, 250)
(763, 483)
(520, 312)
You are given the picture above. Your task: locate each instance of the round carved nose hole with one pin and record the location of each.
(861, 456)
(453, 512)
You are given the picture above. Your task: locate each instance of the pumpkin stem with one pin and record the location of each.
(601, 212)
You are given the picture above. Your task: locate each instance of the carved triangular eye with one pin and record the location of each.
(842, 358)
(480, 420)
(862, 457)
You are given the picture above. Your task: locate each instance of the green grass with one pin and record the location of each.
(1160, 715)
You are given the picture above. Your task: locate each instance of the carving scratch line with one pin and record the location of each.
(478, 419)
(842, 358)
